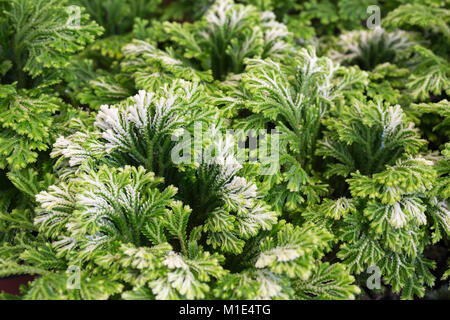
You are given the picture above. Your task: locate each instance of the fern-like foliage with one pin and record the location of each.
(369, 136)
(431, 74)
(221, 149)
(41, 35)
(211, 48)
(177, 233)
(26, 121)
(428, 71)
(367, 49)
(392, 213)
(142, 134)
(294, 101)
(441, 108)
(310, 18)
(116, 16)
(37, 41)
(283, 269)
(327, 282)
(424, 16)
(187, 10)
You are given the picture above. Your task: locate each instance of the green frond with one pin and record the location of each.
(431, 74)
(54, 286)
(26, 119)
(292, 250)
(423, 16)
(117, 16)
(328, 282)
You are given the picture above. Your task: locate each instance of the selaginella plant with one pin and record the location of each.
(431, 71)
(37, 40)
(294, 99)
(311, 19)
(385, 208)
(136, 224)
(117, 16)
(403, 57)
(369, 48)
(212, 48)
(95, 69)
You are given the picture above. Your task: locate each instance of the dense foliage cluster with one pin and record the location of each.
(97, 99)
